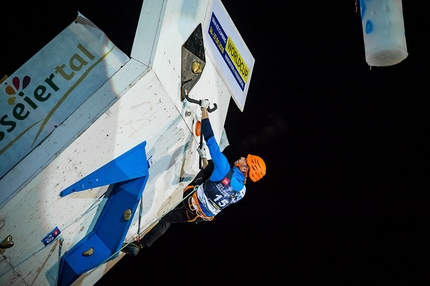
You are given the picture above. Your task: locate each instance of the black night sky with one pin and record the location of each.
(346, 147)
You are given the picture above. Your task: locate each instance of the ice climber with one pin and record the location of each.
(215, 187)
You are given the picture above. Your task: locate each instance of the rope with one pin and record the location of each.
(91, 207)
(14, 269)
(60, 240)
(140, 219)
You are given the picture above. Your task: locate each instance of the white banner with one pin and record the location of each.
(227, 48)
(49, 87)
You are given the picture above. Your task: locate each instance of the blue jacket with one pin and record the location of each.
(226, 185)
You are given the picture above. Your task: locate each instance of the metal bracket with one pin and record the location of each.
(193, 63)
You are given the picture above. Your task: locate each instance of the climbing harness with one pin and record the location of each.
(195, 207)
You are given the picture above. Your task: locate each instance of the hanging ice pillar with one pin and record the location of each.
(129, 174)
(383, 32)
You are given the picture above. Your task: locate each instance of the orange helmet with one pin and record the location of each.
(257, 167)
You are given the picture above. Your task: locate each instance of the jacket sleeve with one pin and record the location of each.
(221, 164)
(207, 129)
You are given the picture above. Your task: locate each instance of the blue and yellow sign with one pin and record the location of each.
(229, 52)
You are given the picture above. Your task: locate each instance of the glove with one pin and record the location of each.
(204, 103)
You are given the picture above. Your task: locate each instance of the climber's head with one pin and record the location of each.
(252, 167)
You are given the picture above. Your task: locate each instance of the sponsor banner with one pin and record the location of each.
(50, 86)
(232, 57)
(50, 237)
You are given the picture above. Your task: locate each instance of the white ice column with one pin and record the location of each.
(383, 32)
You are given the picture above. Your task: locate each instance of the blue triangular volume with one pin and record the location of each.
(108, 235)
(130, 165)
(112, 226)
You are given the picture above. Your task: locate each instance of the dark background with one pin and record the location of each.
(346, 147)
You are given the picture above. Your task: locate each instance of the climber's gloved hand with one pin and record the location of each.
(204, 103)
